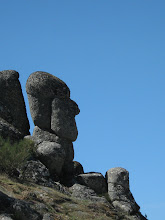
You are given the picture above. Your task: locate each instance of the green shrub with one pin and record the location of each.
(13, 156)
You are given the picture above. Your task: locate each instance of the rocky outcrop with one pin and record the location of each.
(51, 165)
(50, 105)
(119, 191)
(13, 118)
(53, 113)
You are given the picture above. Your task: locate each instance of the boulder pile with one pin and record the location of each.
(53, 113)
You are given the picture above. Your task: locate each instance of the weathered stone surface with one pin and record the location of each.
(53, 113)
(63, 118)
(24, 211)
(12, 105)
(118, 175)
(48, 216)
(5, 217)
(36, 172)
(95, 181)
(44, 84)
(40, 135)
(9, 131)
(119, 192)
(86, 193)
(78, 168)
(52, 155)
(41, 88)
(18, 208)
(50, 105)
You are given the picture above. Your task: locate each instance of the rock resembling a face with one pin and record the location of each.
(50, 105)
(63, 118)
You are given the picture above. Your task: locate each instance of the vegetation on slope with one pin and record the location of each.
(13, 155)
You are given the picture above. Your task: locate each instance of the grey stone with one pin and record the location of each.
(95, 181)
(23, 210)
(63, 118)
(48, 216)
(44, 84)
(49, 101)
(118, 175)
(40, 135)
(18, 208)
(85, 193)
(9, 131)
(36, 172)
(41, 207)
(127, 207)
(52, 155)
(12, 105)
(53, 113)
(78, 168)
(5, 217)
(119, 192)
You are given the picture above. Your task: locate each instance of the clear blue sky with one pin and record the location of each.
(111, 53)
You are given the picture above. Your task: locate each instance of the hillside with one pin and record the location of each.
(34, 201)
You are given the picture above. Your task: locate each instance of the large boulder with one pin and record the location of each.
(119, 191)
(63, 118)
(52, 155)
(13, 117)
(41, 88)
(59, 160)
(95, 181)
(36, 172)
(53, 113)
(50, 105)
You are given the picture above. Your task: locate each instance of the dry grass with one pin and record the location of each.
(61, 206)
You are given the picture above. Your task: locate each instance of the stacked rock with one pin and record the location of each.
(14, 123)
(119, 191)
(53, 113)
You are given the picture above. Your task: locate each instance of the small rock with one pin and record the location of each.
(85, 193)
(48, 216)
(78, 168)
(95, 181)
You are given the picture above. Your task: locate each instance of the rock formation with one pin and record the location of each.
(119, 191)
(13, 119)
(53, 113)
